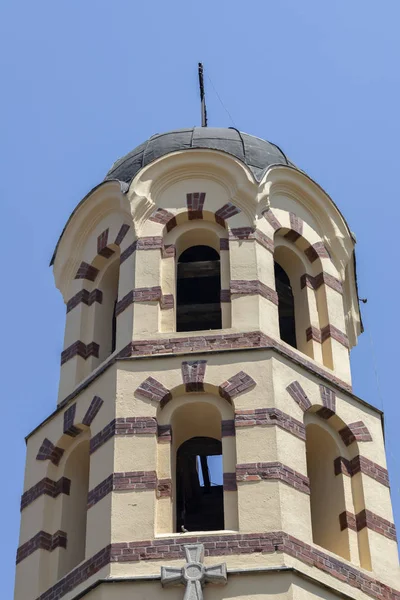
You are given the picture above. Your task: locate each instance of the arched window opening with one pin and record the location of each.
(73, 520)
(327, 492)
(287, 323)
(199, 490)
(198, 290)
(105, 326)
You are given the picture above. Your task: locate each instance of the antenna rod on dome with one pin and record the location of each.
(202, 97)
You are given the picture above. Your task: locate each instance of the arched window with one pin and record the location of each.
(287, 323)
(74, 508)
(105, 325)
(199, 491)
(198, 290)
(327, 491)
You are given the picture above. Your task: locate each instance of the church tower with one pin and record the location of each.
(207, 442)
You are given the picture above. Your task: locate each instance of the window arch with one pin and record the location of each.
(74, 508)
(198, 289)
(327, 491)
(105, 322)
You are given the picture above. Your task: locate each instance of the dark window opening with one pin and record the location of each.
(198, 290)
(199, 490)
(287, 324)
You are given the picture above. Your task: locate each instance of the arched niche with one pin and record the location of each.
(104, 314)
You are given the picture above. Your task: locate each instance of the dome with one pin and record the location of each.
(254, 152)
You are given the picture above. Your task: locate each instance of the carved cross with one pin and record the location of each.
(194, 574)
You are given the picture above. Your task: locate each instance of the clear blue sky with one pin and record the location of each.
(85, 82)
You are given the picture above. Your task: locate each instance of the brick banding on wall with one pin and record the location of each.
(85, 297)
(322, 278)
(164, 433)
(272, 220)
(270, 417)
(328, 399)
(299, 395)
(168, 251)
(313, 333)
(42, 541)
(264, 241)
(92, 411)
(102, 247)
(166, 301)
(226, 212)
(149, 243)
(68, 425)
(86, 271)
(164, 488)
(124, 426)
(225, 544)
(317, 250)
(148, 294)
(360, 464)
(45, 487)
(242, 233)
(330, 331)
(195, 203)
(193, 373)
(274, 471)
(80, 349)
(239, 383)
(347, 521)
(48, 451)
(130, 480)
(229, 482)
(368, 519)
(224, 244)
(228, 428)
(121, 234)
(152, 389)
(225, 295)
(353, 432)
(241, 287)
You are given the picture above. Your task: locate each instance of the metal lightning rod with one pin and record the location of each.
(202, 96)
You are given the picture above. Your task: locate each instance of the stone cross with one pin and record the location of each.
(194, 574)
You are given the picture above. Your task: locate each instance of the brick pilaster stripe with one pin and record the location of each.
(195, 203)
(80, 349)
(274, 471)
(270, 416)
(229, 482)
(42, 541)
(48, 451)
(360, 464)
(231, 341)
(124, 426)
(228, 428)
(368, 519)
(322, 278)
(152, 389)
(92, 411)
(353, 432)
(121, 234)
(130, 480)
(102, 245)
(313, 333)
(193, 373)
(327, 332)
(239, 383)
(241, 287)
(299, 395)
(164, 488)
(247, 543)
(250, 233)
(328, 399)
(68, 426)
(315, 251)
(86, 271)
(226, 212)
(147, 294)
(47, 487)
(164, 433)
(85, 297)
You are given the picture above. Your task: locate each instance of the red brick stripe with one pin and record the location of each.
(45, 487)
(368, 519)
(80, 349)
(42, 541)
(228, 428)
(85, 297)
(239, 383)
(48, 451)
(270, 416)
(274, 471)
(131, 480)
(322, 278)
(228, 544)
(164, 433)
(225, 295)
(223, 244)
(229, 482)
(193, 373)
(296, 228)
(330, 331)
(299, 395)
(123, 426)
(149, 294)
(353, 432)
(360, 464)
(128, 252)
(86, 271)
(347, 521)
(241, 287)
(164, 488)
(92, 411)
(242, 233)
(195, 202)
(313, 333)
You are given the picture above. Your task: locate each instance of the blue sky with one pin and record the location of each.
(85, 82)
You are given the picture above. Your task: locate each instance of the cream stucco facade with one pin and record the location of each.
(306, 499)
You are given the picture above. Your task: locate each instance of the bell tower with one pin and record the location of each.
(206, 441)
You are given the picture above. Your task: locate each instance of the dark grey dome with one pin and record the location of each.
(256, 153)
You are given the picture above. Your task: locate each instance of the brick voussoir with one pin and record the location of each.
(353, 432)
(299, 396)
(223, 545)
(236, 385)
